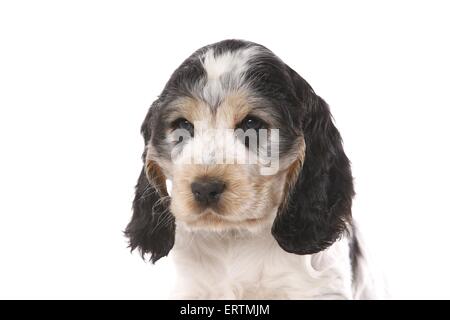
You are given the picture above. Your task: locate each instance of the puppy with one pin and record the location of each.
(260, 206)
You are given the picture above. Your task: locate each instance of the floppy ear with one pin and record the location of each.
(152, 226)
(319, 193)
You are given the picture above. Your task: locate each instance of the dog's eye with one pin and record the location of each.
(252, 123)
(182, 123)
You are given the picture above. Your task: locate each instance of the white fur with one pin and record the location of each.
(225, 72)
(369, 282)
(251, 265)
(228, 62)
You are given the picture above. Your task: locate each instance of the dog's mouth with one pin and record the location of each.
(209, 214)
(209, 219)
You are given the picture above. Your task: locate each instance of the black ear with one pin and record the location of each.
(152, 226)
(319, 198)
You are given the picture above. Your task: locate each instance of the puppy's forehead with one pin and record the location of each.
(225, 73)
(215, 75)
(231, 75)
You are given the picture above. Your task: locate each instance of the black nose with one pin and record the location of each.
(207, 192)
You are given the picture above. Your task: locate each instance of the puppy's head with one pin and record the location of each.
(246, 143)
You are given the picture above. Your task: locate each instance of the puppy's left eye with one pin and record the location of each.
(251, 122)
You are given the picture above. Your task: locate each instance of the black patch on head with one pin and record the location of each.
(270, 80)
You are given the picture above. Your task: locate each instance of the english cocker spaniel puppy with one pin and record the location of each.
(246, 181)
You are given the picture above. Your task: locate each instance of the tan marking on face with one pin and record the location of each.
(165, 166)
(156, 177)
(233, 110)
(191, 109)
(250, 199)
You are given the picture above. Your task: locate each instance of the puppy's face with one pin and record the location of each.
(223, 159)
(245, 142)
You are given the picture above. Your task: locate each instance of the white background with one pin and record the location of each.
(77, 77)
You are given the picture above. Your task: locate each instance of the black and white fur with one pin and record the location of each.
(307, 246)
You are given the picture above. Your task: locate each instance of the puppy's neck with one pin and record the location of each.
(205, 240)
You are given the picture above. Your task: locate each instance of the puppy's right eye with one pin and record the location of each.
(182, 123)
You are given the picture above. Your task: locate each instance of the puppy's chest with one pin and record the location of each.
(242, 269)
